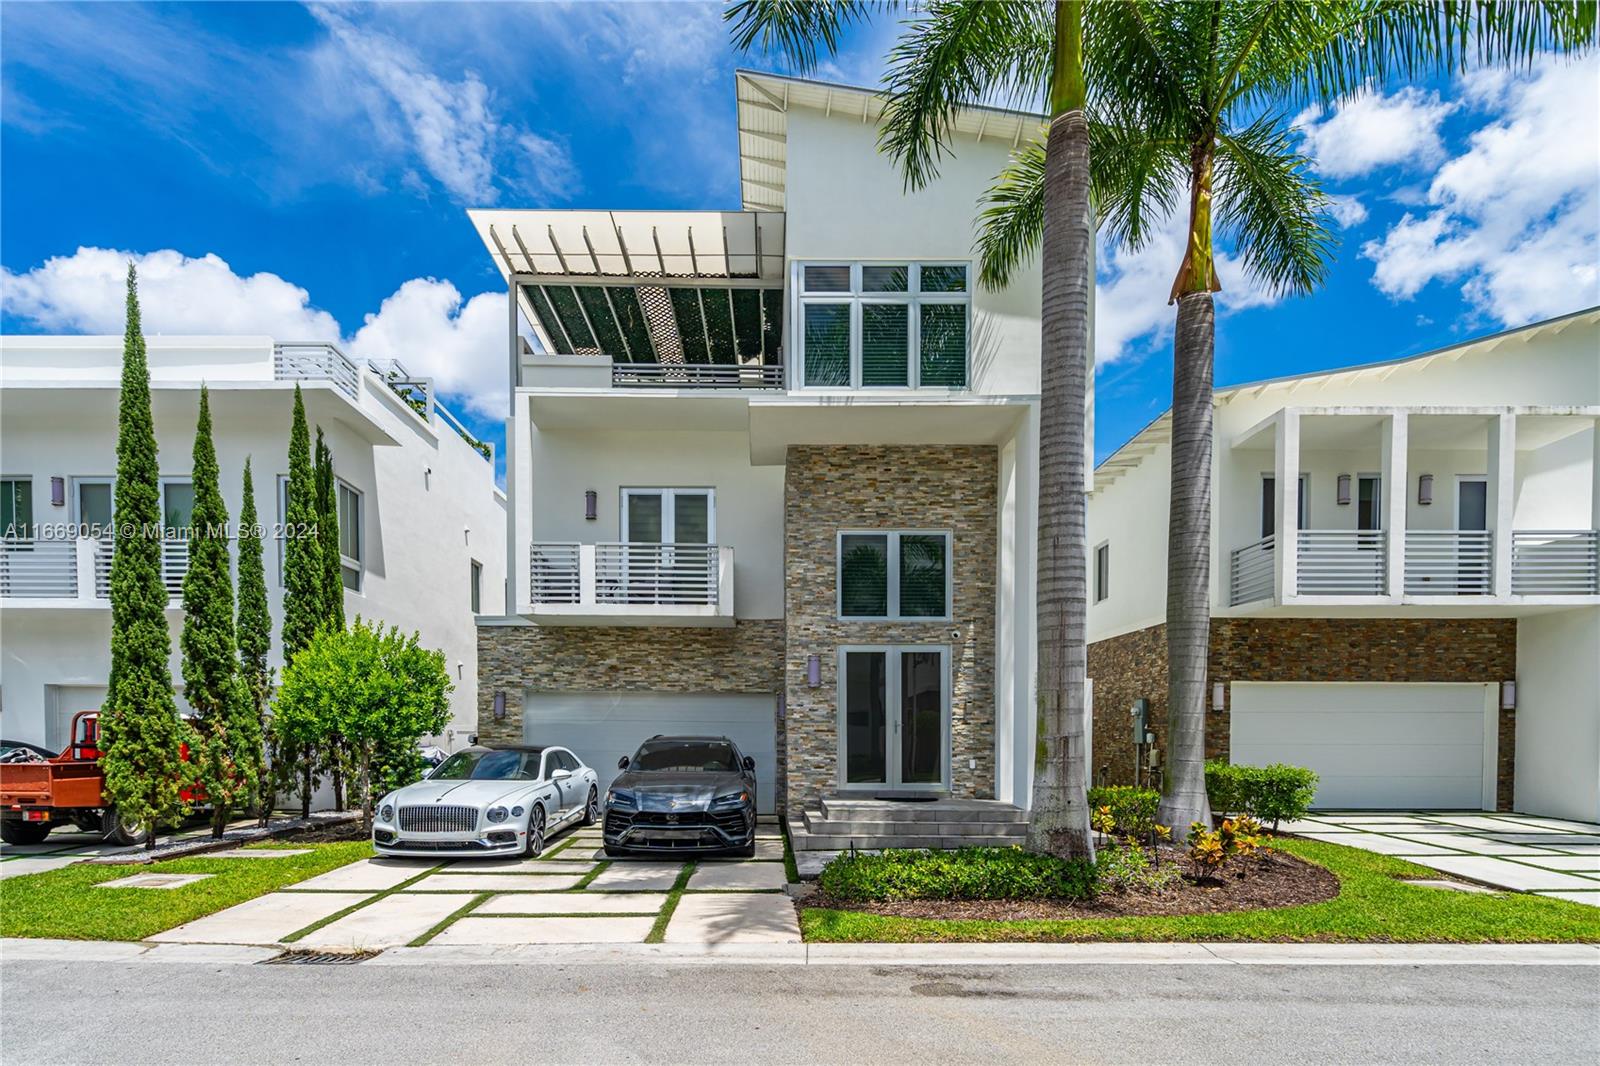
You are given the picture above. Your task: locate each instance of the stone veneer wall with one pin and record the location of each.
(744, 658)
(1478, 650)
(827, 489)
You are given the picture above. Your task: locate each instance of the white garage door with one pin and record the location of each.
(1384, 746)
(601, 727)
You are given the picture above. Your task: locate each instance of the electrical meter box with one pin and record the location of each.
(1141, 718)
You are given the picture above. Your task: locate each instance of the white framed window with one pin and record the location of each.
(477, 587)
(352, 531)
(882, 325)
(669, 516)
(94, 504)
(16, 508)
(1102, 571)
(177, 506)
(888, 575)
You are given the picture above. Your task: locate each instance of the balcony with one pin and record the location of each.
(75, 573)
(317, 362)
(1449, 562)
(1342, 562)
(697, 376)
(631, 584)
(1547, 562)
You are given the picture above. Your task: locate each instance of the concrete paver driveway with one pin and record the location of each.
(1523, 853)
(571, 895)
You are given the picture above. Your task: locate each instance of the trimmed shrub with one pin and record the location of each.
(1133, 809)
(965, 873)
(1274, 793)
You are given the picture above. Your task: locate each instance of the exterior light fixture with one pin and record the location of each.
(58, 491)
(499, 707)
(813, 671)
(1508, 695)
(590, 503)
(1344, 490)
(1425, 489)
(1219, 696)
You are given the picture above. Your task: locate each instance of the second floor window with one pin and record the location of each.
(894, 575)
(884, 325)
(1102, 572)
(477, 587)
(668, 516)
(16, 508)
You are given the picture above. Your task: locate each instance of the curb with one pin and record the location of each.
(233, 838)
(799, 954)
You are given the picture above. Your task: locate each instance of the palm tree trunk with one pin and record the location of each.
(1059, 823)
(1189, 566)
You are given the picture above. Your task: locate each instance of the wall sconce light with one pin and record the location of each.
(813, 671)
(1219, 696)
(591, 501)
(1508, 695)
(1425, 489)
(58, 492)
(1344, 490)
(499, 706)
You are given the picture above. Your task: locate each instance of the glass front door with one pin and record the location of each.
(894, 717)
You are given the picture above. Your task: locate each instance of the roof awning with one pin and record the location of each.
(635, 244)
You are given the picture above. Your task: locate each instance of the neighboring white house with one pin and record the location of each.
(1429, 636)
(772, 471)
(422, 524)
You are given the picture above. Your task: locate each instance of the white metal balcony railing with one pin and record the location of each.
(38, 569)
(1341, 562)
(316, 362)
(1546, 562)
(1449, 562)
(1250, 572)
(627, 575)
(174, 566)
(697, 376)
(555, 573)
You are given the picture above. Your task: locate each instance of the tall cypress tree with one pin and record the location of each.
(328, 537)
(254, 632)
(140, 733)
(303, 610)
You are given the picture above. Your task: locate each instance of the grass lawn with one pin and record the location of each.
(1371, 906)
(64, 903)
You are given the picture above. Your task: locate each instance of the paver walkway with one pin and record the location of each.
(572, 894)
(1545, 856)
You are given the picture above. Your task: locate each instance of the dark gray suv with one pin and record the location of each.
(683, 795)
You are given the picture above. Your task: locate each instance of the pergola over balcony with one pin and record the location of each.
(673, 299)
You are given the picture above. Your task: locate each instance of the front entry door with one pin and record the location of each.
(894, 717)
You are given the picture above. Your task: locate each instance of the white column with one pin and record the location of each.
(1594, 474)
(1502, 497)
(1396, 434)
(586, 575)
(84, 559)
(519, 506)
(1286, 472)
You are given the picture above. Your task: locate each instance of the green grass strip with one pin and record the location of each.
(789, 867)
(658, 931)
(450, 919)
(369, 901)
(599, 869)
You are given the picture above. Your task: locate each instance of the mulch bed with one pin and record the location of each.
(1274, 880)
(337, 833)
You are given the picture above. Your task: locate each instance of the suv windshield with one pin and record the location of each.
(709, 756)
(488, 766)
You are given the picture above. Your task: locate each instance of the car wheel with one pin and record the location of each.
(591, 813)
(535, 846)
(16, 831)
(119, 832)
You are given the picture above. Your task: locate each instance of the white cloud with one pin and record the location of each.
(1372, 130)
(425, 324)
(1347, 210)
(1515, 218)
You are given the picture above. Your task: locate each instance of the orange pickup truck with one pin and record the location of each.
(35, 797)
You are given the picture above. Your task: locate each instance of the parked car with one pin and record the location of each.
(488, 801)
(683, 794)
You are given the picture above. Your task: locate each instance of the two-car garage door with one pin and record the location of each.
(601, 727)
(1385, 746)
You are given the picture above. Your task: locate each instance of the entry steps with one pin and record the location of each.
(839, 823)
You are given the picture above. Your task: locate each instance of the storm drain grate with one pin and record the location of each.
(319, 958)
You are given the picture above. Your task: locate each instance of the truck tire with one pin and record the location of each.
(117, 833)
(16, 831)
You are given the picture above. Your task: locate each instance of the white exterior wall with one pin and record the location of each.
(1130, 515)
(420, 531)
(1558, 715)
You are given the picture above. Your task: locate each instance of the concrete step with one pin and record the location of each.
(949, 810)
(805, 841)
(864, 827)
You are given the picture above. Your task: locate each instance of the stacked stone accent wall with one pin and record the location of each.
(828, 489)
(1475, 650)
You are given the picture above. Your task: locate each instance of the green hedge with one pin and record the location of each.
(1266, 793)
(966, 873)
(1132, 808)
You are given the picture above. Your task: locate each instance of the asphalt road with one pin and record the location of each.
(82, 1012)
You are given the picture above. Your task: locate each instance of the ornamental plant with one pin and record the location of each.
(253, 633)
(303, 610)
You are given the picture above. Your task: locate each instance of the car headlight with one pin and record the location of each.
(731, 799)
(516, 812)
(497, 814)
(386, 813)
(620, 797)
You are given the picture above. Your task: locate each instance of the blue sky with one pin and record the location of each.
(304, 171)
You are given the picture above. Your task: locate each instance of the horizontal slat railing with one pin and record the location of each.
(316, 362)
(1250, 572)
(696, 376)
(38, 569)
(1341, 562)
(682, 574)
(1449, 562)
(1555, 562)
(554, 572)
(174, 565)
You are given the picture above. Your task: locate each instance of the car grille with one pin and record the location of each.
(731, 822)
(433, 819)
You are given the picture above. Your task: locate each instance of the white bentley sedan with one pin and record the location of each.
(488, 801)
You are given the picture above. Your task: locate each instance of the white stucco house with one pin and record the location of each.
(421, 521)
(1428, 635)
(772, 474)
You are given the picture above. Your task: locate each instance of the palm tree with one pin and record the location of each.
(956, 53)
(1198, 89)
